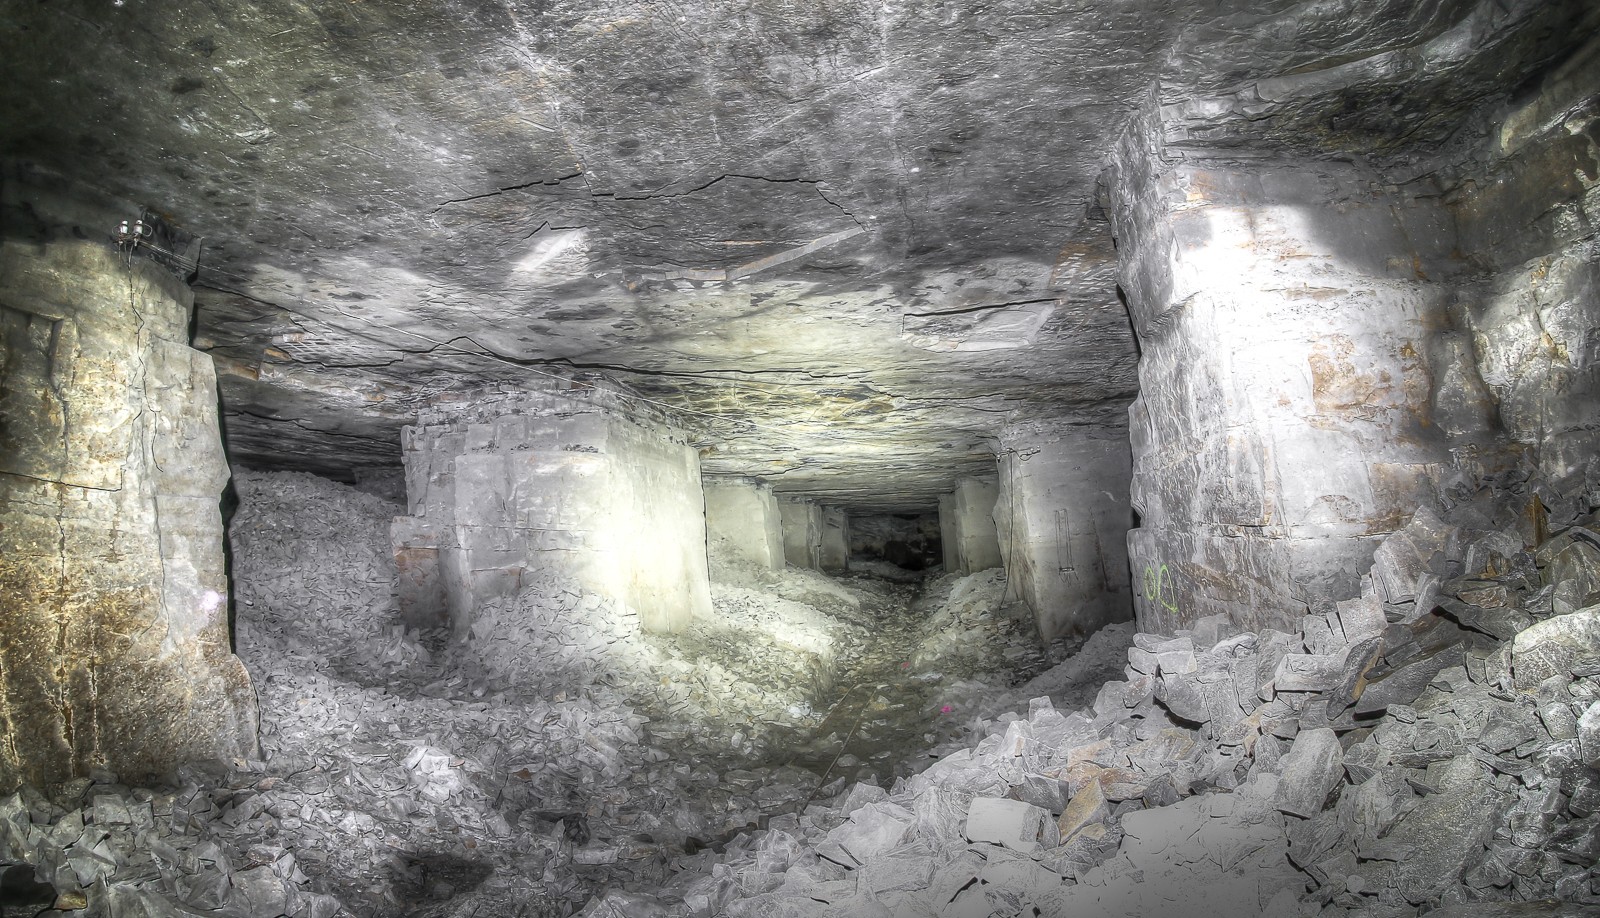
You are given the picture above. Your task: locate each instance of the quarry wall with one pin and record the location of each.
(115, 650)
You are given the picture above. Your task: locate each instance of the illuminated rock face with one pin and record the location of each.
(114, 647)
(1285, 419)
(744, 530)
(501, 484)
(1324, 345)
(1062, 519)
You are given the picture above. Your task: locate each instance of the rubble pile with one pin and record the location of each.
(738, 686)
(511, 774)
(96, 848)
(558, 719)
(972, 631)
(1075, 681)
(1430, 745)
(935, 657)
(555, 750)
(300, 542)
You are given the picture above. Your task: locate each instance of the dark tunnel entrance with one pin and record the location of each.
(908, 542)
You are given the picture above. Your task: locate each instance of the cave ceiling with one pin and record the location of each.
(847, 242)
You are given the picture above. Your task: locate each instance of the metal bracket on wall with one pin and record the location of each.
(152, 237)
(1064, 542)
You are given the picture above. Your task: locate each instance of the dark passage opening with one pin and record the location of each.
(901, 541)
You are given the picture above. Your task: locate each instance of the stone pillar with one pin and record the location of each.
(744, 531)
(115, 650)
(802, 532)
(834, 552)
(1062, 518)
(1299, 379)
(561, 479)
(419, 579)
(967, 527)
(950, 534)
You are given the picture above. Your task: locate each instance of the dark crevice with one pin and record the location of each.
(983, 307)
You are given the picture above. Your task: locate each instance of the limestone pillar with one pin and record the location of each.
(802, 532)
(1299, 377)
(835, 547)
(570, 478)
(115, 648)
(1062, 518)
(949, 534)
(967, 527)
(744, 531)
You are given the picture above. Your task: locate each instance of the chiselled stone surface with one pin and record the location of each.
(1392, 335)
(576, 480)
(1062, 519)
(801, 524)
(1335, 374)
(115, 648)
(968, 532)
(744, 529)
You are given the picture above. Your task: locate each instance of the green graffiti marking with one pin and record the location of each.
(1158, 589)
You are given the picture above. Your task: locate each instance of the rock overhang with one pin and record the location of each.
(856, 241)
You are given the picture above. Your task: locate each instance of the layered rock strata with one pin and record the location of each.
(115, 650)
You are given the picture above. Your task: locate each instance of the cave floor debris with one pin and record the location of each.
(1431, 744)
(556, 754)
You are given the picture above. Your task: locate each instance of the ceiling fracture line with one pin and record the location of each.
(749, 268)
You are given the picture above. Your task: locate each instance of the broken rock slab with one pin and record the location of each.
(1565, 645)
(1542, 908)
(1009, 823)
(1087, 807)
(1443, 832)
(1313, 767)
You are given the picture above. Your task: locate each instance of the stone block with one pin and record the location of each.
(1311, 769)
(1588, 731)
(1558, 646)
(1444, 831)
(1088, 806)
(1009, 823)
(1062, 525)
(967, 526)
(801, 522)
(744, 529)
(835, 548)
(519, 481)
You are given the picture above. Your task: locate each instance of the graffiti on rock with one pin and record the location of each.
(1158, 587)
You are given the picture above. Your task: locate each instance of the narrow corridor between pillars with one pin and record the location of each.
(550, 747)
(936, 650)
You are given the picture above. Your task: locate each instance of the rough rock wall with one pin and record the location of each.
(1321, 343)
(802, 532)
(504, 483)
(1527, 204)
(743, 528)
(967, 530)
(1062, 519)
(115, 649)
(1285, 417)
